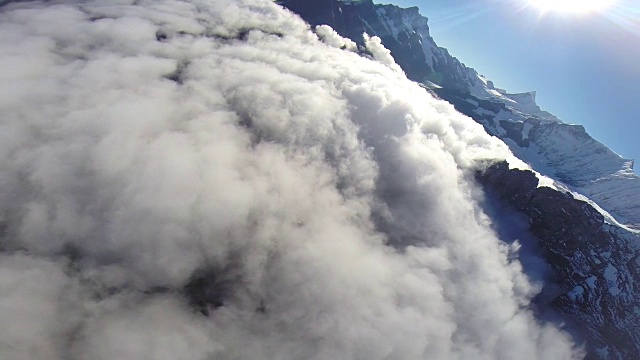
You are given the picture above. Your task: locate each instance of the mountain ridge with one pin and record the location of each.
(584, 225)
(564, 152)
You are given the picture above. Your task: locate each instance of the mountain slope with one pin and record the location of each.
(561, 151)
(594, 261)
(596, 265)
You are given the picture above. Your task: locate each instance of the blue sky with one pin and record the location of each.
(585, 68)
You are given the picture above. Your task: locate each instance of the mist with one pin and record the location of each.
(326, 203)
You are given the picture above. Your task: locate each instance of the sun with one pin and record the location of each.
(571, 6)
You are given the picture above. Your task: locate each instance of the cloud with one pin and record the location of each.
(332, 38)
(380, 53)
(36, 295)
(208, 179)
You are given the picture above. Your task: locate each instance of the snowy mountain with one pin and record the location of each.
(584, 223)
(561, 151)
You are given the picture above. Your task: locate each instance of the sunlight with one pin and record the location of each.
(571, 6)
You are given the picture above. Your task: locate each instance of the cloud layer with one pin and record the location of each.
(145, 144)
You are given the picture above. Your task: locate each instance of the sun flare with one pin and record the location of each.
(571, 6)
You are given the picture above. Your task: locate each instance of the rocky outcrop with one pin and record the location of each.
(596, 265)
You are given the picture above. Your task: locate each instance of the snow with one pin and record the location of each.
(562, 152)
(367, 25)
(567, 154)
(388, 24)
(544, 181)
(546, 177)
(430, 85)
(611, 276)
(619, 193)
(608, 218)
(525, 130)
(522, 103)
(577, 293)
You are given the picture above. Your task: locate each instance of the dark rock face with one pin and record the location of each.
(596, 265)
(352, 21)
(388, 22)
(517, 188)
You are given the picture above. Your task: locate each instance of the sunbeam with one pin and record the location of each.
(571, 6)
(458, 15)
(625, 16)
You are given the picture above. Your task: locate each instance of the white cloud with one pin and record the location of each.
(380, 53)
(332, 38)
(155, 139)
(35, 305)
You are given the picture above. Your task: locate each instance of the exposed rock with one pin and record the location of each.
(595, 264)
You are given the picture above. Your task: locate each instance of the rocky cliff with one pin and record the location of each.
(595, 264)
(403, 31)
